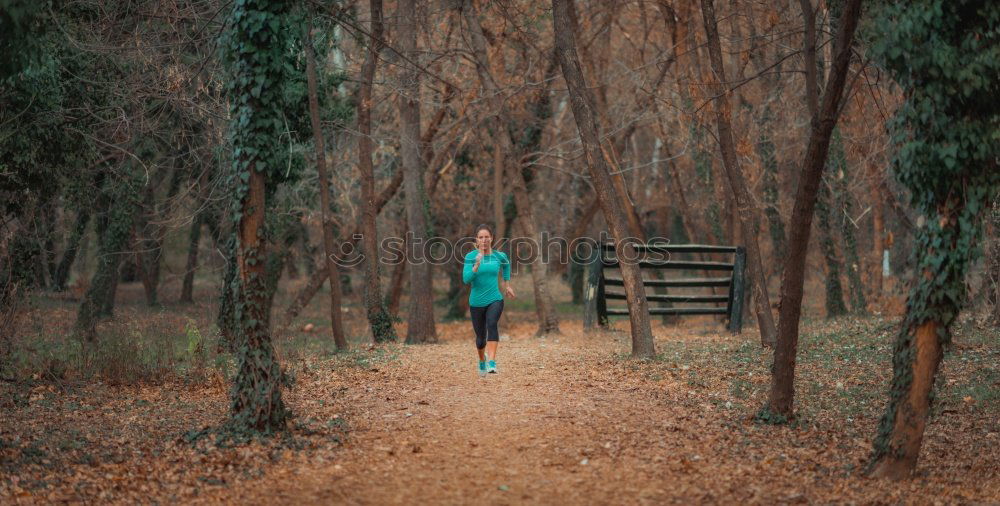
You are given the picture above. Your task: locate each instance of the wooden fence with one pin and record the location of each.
(715, 274)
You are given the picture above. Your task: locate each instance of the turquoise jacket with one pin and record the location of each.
(485, 287)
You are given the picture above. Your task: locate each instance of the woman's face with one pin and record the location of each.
(483, 239)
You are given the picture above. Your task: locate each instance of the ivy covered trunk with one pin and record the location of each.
(934, 302)
(944, 55)
(257, 53)
(379, 319)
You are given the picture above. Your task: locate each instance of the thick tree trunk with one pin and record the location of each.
(548, 320)
(932, 306)
(583, 111)
(748, 214)
(780, 401)
(420, 321)
(378, 317)
(333, 272)
(256, 400)
(915, 361)
(256, 394)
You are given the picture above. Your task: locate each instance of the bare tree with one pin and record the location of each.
(779, 404)
(378, 317)
(336, 320)
(420, 321)
(563, 14)
(548, 321)
(749, 215)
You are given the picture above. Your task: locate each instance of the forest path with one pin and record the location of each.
(555, 426)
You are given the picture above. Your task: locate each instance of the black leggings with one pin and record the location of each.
(484, 321)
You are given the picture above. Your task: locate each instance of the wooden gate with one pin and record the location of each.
(716, 274)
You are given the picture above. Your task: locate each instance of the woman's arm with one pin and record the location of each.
(469, 271)
(507, 290)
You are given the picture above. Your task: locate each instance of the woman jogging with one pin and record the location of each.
(481, 268)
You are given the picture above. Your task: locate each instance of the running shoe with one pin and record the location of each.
(491, 366)
(482, 368)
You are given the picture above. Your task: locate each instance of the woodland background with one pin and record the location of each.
(141, 276)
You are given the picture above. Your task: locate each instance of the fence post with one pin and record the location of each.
(736, 291)
(592, 275)
(602, 301)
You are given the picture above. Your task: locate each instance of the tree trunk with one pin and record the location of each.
(194, 238)
(333, 272)
(878, 231)
(844, 209)
(396, 285)
(307, 292)
(749, 216)
(317, 278)
(149, 236)
(548, 320)
(991, 283)
(256, 395)
(769, 162)
(932, 306)
(72, 247)
(116, 215)
(780, 401)
(226, 319)
(563, 12)
(498, 191)
(379, 319)
(256, 401)
(834, 287)
(420, 321)
(201, 217)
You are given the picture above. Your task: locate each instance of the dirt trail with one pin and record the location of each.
(569, 421)
(545, 429)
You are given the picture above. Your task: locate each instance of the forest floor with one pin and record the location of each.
(569, 419)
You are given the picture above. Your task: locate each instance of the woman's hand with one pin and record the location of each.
(509, 291)
(479, 259)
